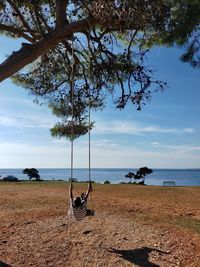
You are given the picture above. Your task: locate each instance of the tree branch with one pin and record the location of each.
(20, 16)
(15, 31)
(61, 13)
(40, 17)
(30, 52)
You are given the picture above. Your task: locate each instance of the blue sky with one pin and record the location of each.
(164, 134)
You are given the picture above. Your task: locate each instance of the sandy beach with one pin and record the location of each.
(134, 225)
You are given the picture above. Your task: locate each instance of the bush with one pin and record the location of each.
(106, 182)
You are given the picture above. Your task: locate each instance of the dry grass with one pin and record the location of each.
(34, 214)
(171, 205)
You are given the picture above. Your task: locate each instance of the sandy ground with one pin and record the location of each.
(133, 226)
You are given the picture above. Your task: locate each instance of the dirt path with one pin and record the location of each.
(99, 241)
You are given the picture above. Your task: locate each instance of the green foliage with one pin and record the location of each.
(103, 52)
(130, 175)
(69, 130)
(74, 123)
(32, 173)
(106, 182)
(140, 175)
(183, 30)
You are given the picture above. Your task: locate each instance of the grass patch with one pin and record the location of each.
(189, 223)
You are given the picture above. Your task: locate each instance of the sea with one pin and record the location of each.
(181, 177)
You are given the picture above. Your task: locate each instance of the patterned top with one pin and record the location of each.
(78, 213)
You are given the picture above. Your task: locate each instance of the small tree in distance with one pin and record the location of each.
(106, 182)
(130, 175)
(32, 173)
(140, 174)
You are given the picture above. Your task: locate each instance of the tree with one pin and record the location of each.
(96, 47)
(32, 173)
(140, 174)
(130, 175)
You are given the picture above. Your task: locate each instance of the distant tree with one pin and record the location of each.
(130, 175)
(32, 173)
(106, 182)
(140, 174)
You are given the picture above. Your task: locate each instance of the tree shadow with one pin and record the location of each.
(3, 264)
(139, 256)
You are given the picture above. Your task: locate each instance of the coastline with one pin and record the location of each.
(182, 177)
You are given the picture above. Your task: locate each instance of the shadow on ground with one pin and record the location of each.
(139, 256)
(3, 264)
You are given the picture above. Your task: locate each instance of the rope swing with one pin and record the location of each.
(72, 112)
(72, 118)
(78, 212)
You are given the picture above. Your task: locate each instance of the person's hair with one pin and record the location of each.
(77, 202)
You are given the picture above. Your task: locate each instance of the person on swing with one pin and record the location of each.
(78, 205)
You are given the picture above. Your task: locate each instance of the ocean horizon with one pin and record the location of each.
(182, 177)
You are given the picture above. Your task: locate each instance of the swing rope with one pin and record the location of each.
(89, 122)
(72, 112)
(72, 117)
(89, 140)
(89, 136)
(89, 111)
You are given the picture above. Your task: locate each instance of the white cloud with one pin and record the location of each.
(6, 121)
(134, 128)
(128, 157)
(26, 121)
(104, 143)
(188, 130)
(17, 101)
(104, 153)
(21, 155)
(154, 143)
(178, 148)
